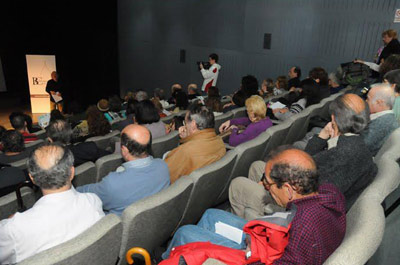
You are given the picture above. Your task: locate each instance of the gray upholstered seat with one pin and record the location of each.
(103, 141)
(85, 174)
(239, 113)
(9, 205)
(209, 182)
(21, 164)
(221, 119)
(325, 102)
(164, 144)
(365, 224)
(34, 144)
(150, 222)
(100, 245)
(277, 136)
(168, 119)
(391, 147)
(41, 134)
(107, 164)
(247, 153)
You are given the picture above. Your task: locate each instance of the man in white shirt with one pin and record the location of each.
(60, 215)
(210, 75)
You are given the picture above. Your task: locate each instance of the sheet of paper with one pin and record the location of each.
(229, 232)
(277, 105)
(57, 98)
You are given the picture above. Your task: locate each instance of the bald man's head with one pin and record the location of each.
(350, 113)
(295, 167)
(175, 87)
(137, 140)
(380, 98)
(50, 166)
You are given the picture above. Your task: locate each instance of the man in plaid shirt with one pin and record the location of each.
(291, 178)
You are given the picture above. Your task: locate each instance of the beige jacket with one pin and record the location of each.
(197, 150)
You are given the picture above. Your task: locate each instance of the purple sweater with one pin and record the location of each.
(253, 129)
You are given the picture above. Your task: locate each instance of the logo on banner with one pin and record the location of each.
(38, 81)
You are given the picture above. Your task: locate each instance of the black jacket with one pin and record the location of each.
(393, 47)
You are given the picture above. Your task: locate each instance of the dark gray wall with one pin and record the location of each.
(304, 32)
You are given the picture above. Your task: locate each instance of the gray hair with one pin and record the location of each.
(334, 78)
(384, 92)
(55, 176)
(347, 120)
(141, 95)
(203, 116)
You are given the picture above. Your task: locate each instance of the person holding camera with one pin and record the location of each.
(210, 75)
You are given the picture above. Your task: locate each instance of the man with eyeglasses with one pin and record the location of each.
(291, 178)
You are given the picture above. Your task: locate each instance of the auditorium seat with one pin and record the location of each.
(102, 142)
(21, 164)
(100, 245)
(41, 134)
(391, 147)
(247, 153)
(107, 164)
(209, 182)
(365, 225)
(239, 113)
(164, 144)
(9, 204)
(150, 222)
(221, 119)
(277, 136)
(168, 119)
(34, 144)
(85, 174)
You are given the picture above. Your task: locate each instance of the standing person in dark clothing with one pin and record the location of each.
(53, 87)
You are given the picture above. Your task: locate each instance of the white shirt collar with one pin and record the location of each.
(374, 116)
(333, 141)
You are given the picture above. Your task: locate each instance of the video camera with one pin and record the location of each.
(206, 65)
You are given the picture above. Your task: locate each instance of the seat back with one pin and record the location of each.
(247, 153)
(326, 102)
(102, 142)
(100, 245)
(21, 164)
(391, 147)
(278, 135)
(107, 164)
(209, 182)
(149, 223)
(34, 144)
(221, 119)
(239, 113)
(164, 144)
(41, 134)
(168, 119)
(365, 225)
(85, 174)
(9, 204)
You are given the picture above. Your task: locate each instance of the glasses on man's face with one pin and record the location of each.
(265, 182)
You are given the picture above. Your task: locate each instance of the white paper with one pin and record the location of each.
(229, 232)
(57, 98)
(277, 105)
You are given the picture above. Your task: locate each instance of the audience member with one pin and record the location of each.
(147, 115)
(319, 75)
(116, 111)
(140, 176)
(59, 131)
(391, 63)
(60, 215)
(174, 89)
(130, 116)
(383, 122)
(294, 75)
(297, 101)
(141, 95)
(160, 95)
(249, 85)
(213, 100)
(281, 85)
(334, 83)
(319, 218)
(393, 79)
(238, 101)
(193, 91)
(97, 123)
(181, 101)
(18, 122)
(78, 114)
(13, 147)
(254, 124)
(267, 88)
(55, 114)
(161, 112)
(200, 146)
(176, 123)
(341, 155)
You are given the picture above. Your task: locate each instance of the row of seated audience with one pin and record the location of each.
(316, 186)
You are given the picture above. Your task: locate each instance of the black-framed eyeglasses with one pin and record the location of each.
(265, 182)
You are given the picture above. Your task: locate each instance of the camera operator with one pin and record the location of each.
(210, 75)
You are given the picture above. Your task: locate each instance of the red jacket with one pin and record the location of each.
(269, 237)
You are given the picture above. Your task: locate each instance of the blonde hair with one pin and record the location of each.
(391, 33)
(256, 105)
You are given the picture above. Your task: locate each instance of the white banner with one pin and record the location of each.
(39, 72)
